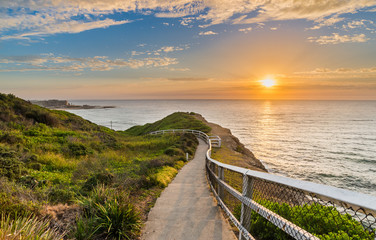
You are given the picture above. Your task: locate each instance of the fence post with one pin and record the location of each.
(245, 216)
(222, 177)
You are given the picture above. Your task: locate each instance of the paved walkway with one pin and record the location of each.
(186, 210)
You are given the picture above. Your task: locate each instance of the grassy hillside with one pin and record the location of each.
(178, 120)
(89, 181)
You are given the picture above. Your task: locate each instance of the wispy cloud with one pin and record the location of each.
(207, 33)
(65, 27)
(311, 10)
(189, 79)
(353, 73)
(327, 22)
(160, 51)
(365, 24)
(44, 17)
(245, 30)
(336, 38)
(50, 62)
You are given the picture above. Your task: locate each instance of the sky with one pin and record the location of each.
(180, 49)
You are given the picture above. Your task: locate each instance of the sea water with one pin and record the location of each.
(329, 142)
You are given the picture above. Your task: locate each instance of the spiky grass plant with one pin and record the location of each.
(107, 213)
(27, 228)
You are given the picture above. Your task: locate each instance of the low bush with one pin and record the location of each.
(10, 164)
(16, 200)
(11, 138)
(163, 176)
(97, 179)
(174, 151)
(77, 149)
(60, 195)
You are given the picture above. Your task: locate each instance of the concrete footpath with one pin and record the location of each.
(186, 210)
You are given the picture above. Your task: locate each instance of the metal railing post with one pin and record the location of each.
(221, 177)
(245, 216)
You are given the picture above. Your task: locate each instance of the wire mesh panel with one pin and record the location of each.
(271, 210)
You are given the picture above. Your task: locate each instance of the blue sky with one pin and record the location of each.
(150, 49)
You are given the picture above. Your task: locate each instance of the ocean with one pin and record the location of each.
(328, 142)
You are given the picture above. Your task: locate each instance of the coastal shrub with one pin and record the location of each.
(174, 151)
(56, 162)
(107, 214)
(188, 143)
(322, 221)
(163, 176)
(77, 149)
(42, 116)
(29, 181)
(108, 140)
(16, 200)
(27, 227)
(60, 195)
(96, 179)
(5, 115)
(179, 164)
(35, 166)
(88, 166)
(13, 206)
(10, 165)
(11, 138)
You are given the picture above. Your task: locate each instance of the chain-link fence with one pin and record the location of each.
(273, 207)
(263, 206)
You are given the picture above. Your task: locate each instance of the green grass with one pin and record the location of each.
(178, 120)
(49, 157)
(163, 176)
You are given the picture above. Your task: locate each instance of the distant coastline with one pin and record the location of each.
(64, 104)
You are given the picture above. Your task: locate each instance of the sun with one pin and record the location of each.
(268, 82)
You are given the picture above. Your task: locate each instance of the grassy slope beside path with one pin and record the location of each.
(90, 182)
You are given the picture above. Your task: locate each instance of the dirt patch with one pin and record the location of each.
(232, 150)
(63, 217)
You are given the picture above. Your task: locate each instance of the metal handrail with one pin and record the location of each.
(334, 194)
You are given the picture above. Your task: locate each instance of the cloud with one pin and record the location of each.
(327, 22)
(207, 33)
(161, 51)
(336, 38)
(179, 69)
(22, 19)
(66, 27)
(189, 79)
(355, 73)
(170, 49)
(187, 21)
(366, 24)
(245, 30)
(314, 10)
(50, 62)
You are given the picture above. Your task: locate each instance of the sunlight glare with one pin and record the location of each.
(268, 82)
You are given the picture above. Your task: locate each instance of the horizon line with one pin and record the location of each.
(201, 99)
